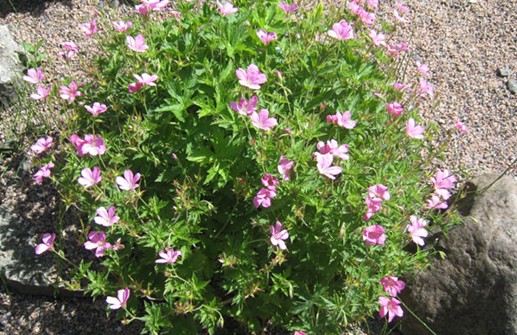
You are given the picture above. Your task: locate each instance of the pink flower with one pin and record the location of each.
(333, 148)
(284, 167)
(426, 88)
(244, 107)
(399, 86)
(47, 243)
(34, 76)
(422, 68)
(89, 29)
(288, 8)
(252, 78)
(43, 172)
(461, 127)
(373, 206)
(122, 26)
(118, 245)
(143, 80)
(399, 18)
(341, 31)
(263, 198)
(129, 182)
(120, 301)
(414, 131)
(443, 180)
(269, 181)
(266, 37)
(96, 109)
(169, 256)
(378, 39)
(366, 17)
(136, 44)
(42, 93)
(416, 230)
(70, 92)
(325, 168)
(42, 144)
(391, 307)
(106, 218)
(395, 109)
(435, 202)
(396, 48)
(90, 177)
(298, 332)
(373, 4)
(70, 50)
(227, 8)
(379, 191)
(97, 242)
(92, 145)
(342, 120)
(278, 235)
(392, 285)
(401, 8)
(262, 120)
(374, 235)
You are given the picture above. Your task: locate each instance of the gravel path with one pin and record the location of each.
(464, 42)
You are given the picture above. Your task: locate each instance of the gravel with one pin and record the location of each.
(469, 45)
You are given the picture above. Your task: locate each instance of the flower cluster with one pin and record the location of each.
(443, 181)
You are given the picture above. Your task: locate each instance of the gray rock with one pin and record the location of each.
(10, 67)
(504, 71)
(474, 290)
(512, 85)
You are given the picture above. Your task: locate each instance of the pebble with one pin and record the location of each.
(512, 85)
(504, 71)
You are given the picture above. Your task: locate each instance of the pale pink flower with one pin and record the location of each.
(374, 235)
(394, 109)
(401, 8)
(299, 332)
(120, 300)
(284, 167)
(416, 230)
(373, 4)
(122, 26)
(266, 37)
(443, 180)
(92, 145)
(158, 5)
(461, 127)
(129, 182)
(435, 202)
(392, 285)
(390, 307)
(97, 242)
(169, 256)
(263, 198)
(325, 167)
(43, 172)
(426, 88)
(96, 109)
(251, 78)
(89, 29)
(42, 93)
(226, 8)
(42, 144)
(373, 206)
(142, 9)
(70, 92)
(395, 49)
(269, 181)
(106, 218)
(278, 235)
(118, 245)
(90, 177)
(143, 80)
(288, 8)
(341, 31)
(378, 39)
(379, 191)
(343, 120)
(262, 120)
(136, 44)
(47, 244)
(332, 147)
(414, 131)
(34, 76)
(399, 18)
(366, 17)
(245, 107)
(70, 50)
(422, 68)
(399, 86)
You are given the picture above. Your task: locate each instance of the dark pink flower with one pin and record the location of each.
(461, 127)
(343, 120)
(394, 109)
(263, 198)
(97, 242)
(392, 285)
(42, 144)
(96, 109)
(129, 181)
(70, 92)
(288, 8)
(43, 172)
(269, 181)
(245, 107)
(251, 78)
(89, 29)
(47, 243)
(374, 235)
(341, 31)
(390, 307)
(379, 191)
(266, 37)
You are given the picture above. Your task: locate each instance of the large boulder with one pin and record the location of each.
(474, 290)
(10, 67)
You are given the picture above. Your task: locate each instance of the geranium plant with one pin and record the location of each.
(266, 166)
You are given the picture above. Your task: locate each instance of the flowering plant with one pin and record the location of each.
(267, 166)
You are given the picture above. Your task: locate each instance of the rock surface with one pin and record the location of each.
(9, 65)
(474, 290)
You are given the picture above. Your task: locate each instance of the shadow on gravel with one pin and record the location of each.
(34, 7)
